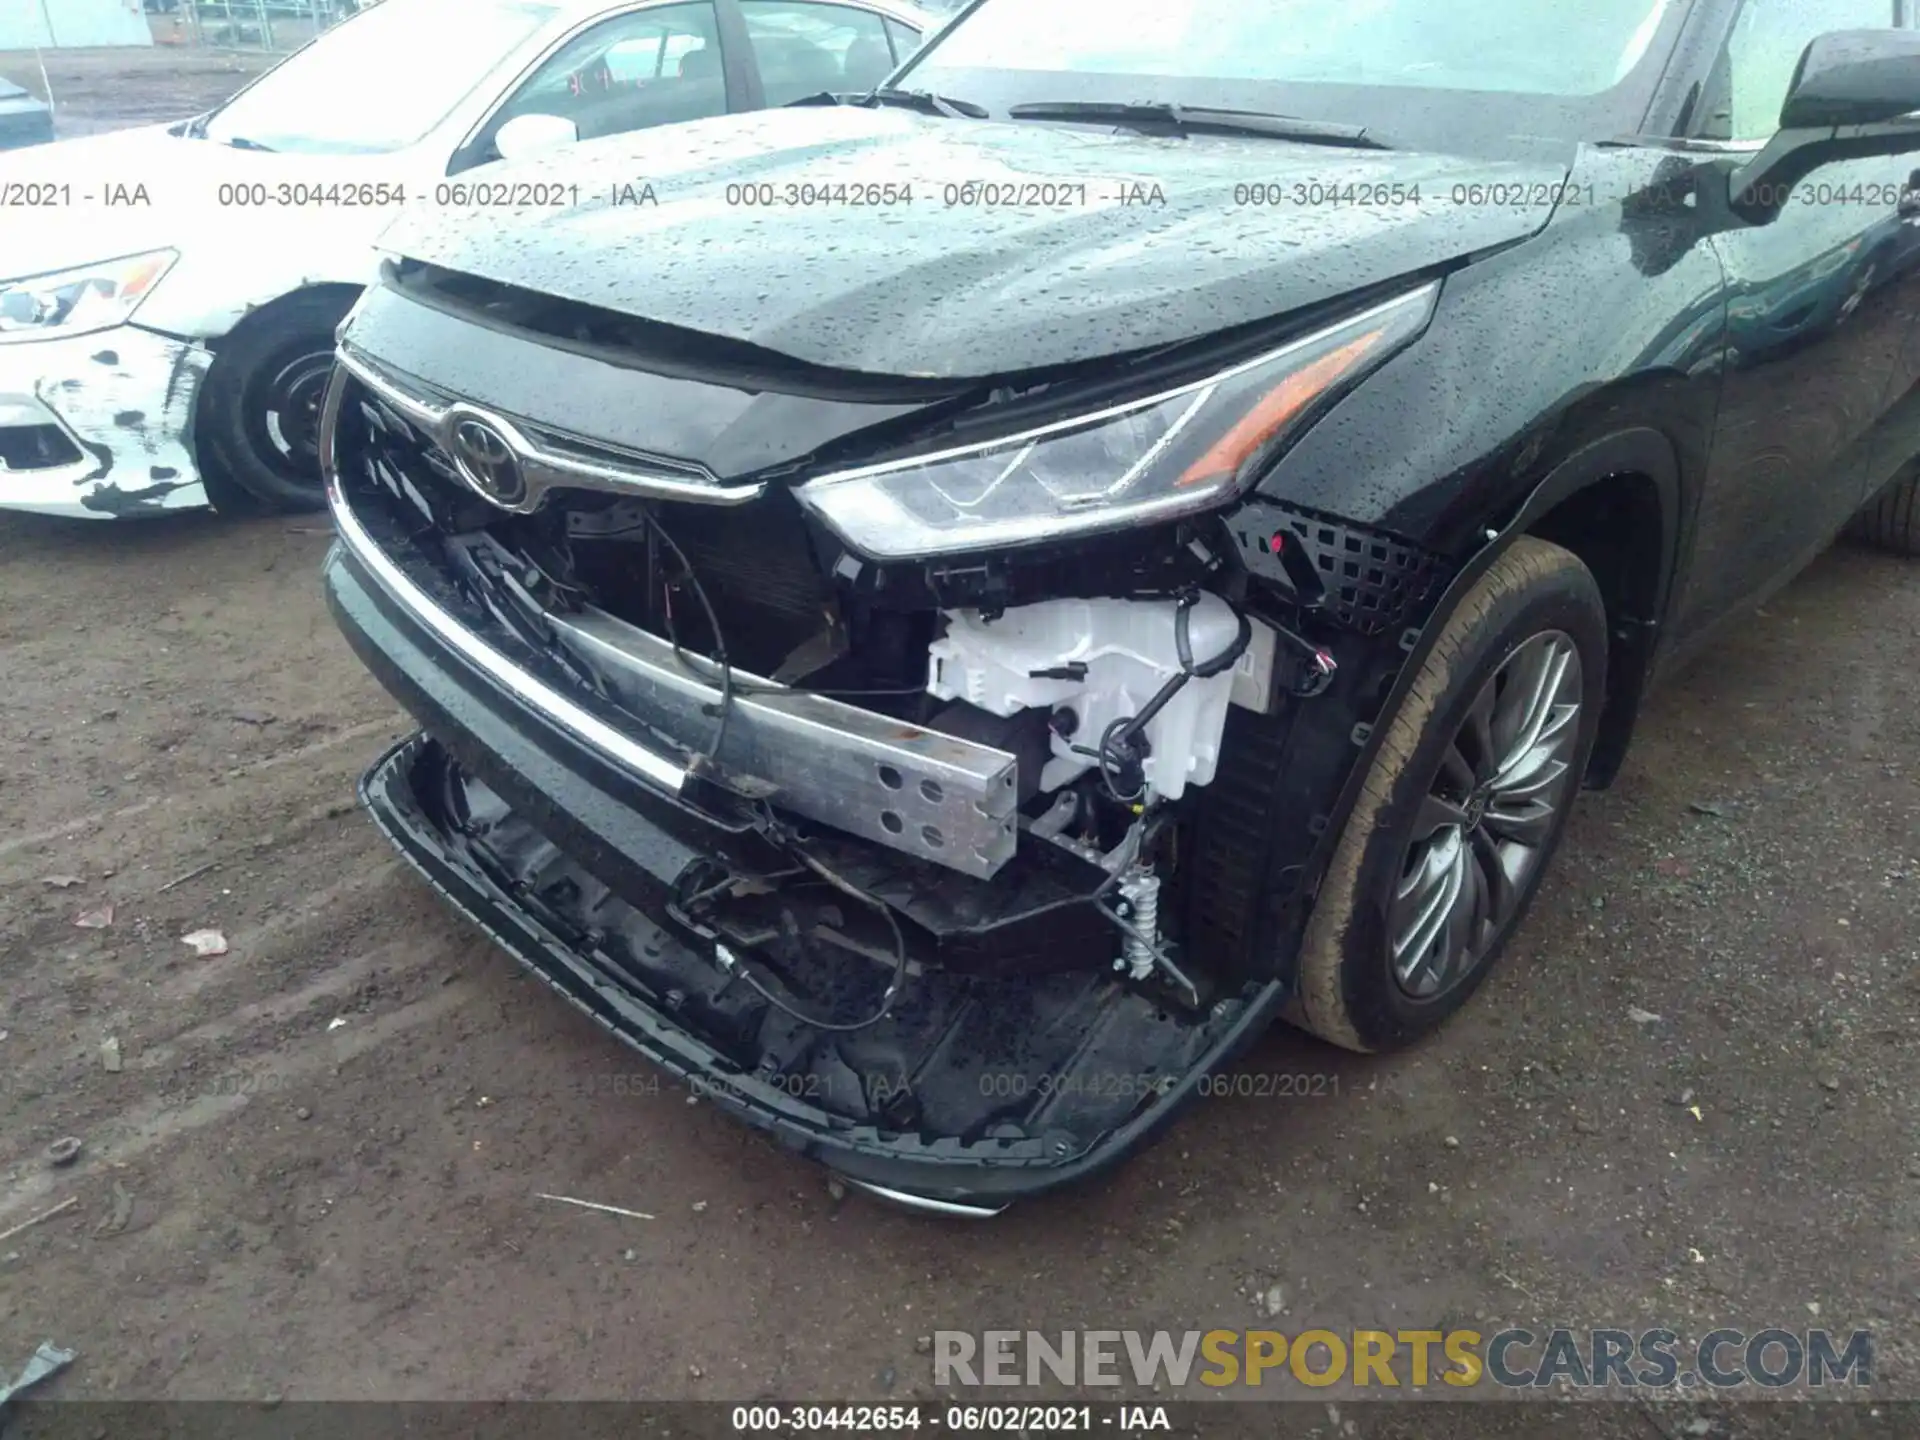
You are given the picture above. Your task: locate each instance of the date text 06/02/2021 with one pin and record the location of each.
(960, 1419)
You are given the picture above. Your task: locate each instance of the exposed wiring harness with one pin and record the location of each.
(730, 962)
(731, 688)
(1122, 747)
(719, 657)
(734, 965)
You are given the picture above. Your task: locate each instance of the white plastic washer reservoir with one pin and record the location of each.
(1103, 660)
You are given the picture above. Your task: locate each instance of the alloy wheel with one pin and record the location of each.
(1483, 827)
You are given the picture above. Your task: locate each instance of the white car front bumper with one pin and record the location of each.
(99, 427)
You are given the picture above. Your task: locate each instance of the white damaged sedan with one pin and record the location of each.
(169, 294)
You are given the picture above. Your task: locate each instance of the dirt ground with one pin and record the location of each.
(1690, 1097)
(95, 90)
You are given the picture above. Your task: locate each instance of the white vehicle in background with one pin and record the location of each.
(168, 295)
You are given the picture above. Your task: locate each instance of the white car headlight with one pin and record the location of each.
(1173, 453)
(80, 300)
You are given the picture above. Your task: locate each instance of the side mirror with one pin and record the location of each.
(527, 134)
(1854, 77)
(1854, 93)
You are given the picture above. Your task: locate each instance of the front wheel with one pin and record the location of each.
(262, 399)
(1463, 807)
(1892, 521)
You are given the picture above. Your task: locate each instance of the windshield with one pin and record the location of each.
(381, 80)
(1548, 67)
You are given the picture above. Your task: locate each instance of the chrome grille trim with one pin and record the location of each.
(658, 770)
(916, 791)
(544, 465)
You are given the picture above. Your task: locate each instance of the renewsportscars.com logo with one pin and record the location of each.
(1515, 1359)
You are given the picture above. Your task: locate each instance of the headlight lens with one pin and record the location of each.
(77, 301)
(1170, 454)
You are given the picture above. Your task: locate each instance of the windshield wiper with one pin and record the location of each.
(1161, 114)
(924, 101)
(240, 142)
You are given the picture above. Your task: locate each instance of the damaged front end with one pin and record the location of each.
(100, 426)
(864, 796)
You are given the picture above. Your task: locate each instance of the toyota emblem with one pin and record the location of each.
(487, 461)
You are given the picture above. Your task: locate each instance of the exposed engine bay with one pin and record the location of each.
(1097, 715)
(934, 815)
(985, 849)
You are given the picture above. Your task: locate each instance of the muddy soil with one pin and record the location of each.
(315, 1170)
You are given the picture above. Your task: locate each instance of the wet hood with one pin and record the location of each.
(1162, 246)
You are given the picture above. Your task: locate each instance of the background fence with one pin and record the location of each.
(271, 25)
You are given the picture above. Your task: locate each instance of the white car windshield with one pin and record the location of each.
(381, 80)
(1546, 47)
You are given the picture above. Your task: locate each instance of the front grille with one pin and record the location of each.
(382, 449)
(754, 562)
(565, 443)
(557, 621)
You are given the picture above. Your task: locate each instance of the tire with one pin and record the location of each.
(1892, 522)
(1535, 606)
(260, 404)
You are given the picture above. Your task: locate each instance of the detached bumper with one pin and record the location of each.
(565, 859)
(99, 427)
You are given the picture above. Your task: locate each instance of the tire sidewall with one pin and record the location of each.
(1381, 1013)
(298, 325)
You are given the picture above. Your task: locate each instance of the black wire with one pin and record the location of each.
(838, 882)
(845, 887)
(719, 656)
(1114, 762)
(686, 663)
(1114, 759)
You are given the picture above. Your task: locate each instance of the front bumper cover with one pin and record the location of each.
(117, 409)
(616, 832)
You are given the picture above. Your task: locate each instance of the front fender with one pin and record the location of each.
(218, 282)
(1548, 367)
(1612, 318)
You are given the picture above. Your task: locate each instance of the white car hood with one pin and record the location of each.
(79, 225)
(145, 189)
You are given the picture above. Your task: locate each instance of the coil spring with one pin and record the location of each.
(1141, 890)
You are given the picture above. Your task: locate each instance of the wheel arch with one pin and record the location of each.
(1317, 760)
(225, 494)
(264, 313)
(1616, 504)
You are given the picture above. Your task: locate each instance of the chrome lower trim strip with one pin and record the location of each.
(953, 1209)
(542, 467)
(655, 769)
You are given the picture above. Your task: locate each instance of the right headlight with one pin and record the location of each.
(1174, 453)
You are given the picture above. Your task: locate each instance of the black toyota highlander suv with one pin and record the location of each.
(938, 614)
